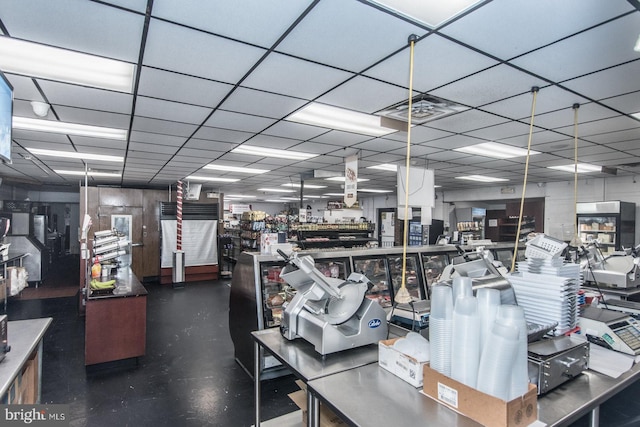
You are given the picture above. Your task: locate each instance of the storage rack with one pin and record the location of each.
(323, 236)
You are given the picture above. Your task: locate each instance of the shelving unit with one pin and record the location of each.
(611, 224)
(508, 227)
(352, 235)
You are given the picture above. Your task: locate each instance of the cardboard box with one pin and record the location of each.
(327, 417)
(483, 408)
(400, 364)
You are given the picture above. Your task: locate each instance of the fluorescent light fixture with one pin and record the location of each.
(275, 200)
(238, 196)
(295, 199)
(636, 115)
(276, 190)
(272, 152)
(338, 118)
(637, 46)
(495, 150)
(373, 190)
(40, 125)
(341, 179)
(481, 178)
(235, 169)
(385, 167)
(75, 155)
(437, 186)
(90, 173)
(582, 168)
(211, 178)
(314, 197)
(47, 62)
(334, 194)
(432, 13)
(312, 186)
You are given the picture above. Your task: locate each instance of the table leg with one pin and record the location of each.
(594, 417)
(313, 409)
(256, 381)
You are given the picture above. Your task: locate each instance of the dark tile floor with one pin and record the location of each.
(188, 376)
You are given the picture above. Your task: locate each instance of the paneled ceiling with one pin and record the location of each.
(212, 75)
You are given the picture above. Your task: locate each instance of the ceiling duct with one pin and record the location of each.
(425, 108)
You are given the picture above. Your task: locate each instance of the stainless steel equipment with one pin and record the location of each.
(618, 270)
(554, 361)
(332, 314)
(4, 347)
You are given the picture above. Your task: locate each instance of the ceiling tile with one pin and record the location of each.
(294, 77)
(179, 87)
(293, 130)
(222, 135)
(501, 131)
(507, 28)
(207, 56)
(263, 104)
(91, 117)
(628, 104)
(146, 124)
(168, 110)
(466, 121)
(86, 97)
(610, 82)
(380, 144)
(154, 138)
(348, 35)
(81, 26)
(340, 138)
(489, 86)
(628, 136)
(566, 116)
(593, 50)
(238, 121)
(549, 98)
(23, 88)
(602, 126)
(365, 94)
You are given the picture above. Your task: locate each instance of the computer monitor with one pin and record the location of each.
(6, 113)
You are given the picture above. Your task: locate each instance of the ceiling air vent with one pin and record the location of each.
(424, 108)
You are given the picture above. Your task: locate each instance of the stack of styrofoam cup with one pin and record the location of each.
(514, 316)
(461, 286)
(496, 363)
(441, 328)
(465, 347)
(488, 303)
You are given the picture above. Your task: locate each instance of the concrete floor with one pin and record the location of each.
(188, 376)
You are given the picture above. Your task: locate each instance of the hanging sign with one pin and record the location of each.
(350, 180)
(238, 209)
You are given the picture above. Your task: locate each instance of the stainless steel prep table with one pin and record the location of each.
(384, 399)
(307, 364)
(370, 396)
(24, 336)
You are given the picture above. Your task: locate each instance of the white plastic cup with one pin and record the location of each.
(496, 361)
(465, 344)
(461, 286)
(488, 303)
(440, 331)
(514, 316)
(441, 302)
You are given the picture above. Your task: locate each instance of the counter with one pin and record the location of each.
(20, 371)
(116, 323)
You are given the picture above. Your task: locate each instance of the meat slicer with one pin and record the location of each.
(332, 314)
(618, 270)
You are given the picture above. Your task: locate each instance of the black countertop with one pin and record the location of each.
(127, 285)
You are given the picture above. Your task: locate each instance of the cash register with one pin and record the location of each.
(611, 329)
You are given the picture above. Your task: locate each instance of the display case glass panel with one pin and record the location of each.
(433, 266)
(413, 280)
(598, 228)
(375, 269)
(275, 292)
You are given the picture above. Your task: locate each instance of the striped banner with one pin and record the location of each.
(179, 224)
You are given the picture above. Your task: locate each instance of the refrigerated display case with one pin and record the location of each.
(612, 224)
(256, 283)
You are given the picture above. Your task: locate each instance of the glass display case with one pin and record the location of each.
(433, 266)
(610, 224)
(413, 275)
(377, 271)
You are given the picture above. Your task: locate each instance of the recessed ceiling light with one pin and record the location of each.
(272, 152)
(276, 190)
(582, 168)
(334, 194)
(37, 60)
(341, 179)
(235, 169)
(312, 186)
(211, 178)
(431, 13)
(636, 115)
(90, 173)
(481, 178)
(275, 200)
(295, 199)
(314, 197)
(39, 125)
(373, 190)
(385, 167)
(495, 150)
(339, 118)
(75, 155)
(437, 186)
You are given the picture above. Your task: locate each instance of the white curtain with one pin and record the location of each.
(199, 242)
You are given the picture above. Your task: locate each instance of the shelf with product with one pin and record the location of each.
(342, 235)
(508, 227)
(255, 223)
(609, 224)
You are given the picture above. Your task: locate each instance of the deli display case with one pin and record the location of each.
(258, 294)
(611, 224)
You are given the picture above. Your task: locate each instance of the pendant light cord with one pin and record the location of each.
(576, 240)
(403, 286)
(535, 90)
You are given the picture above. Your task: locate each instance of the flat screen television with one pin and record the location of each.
(6, 112)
